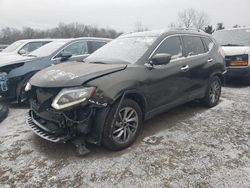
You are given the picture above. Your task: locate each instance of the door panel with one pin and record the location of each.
(168, 83)
(197, 59)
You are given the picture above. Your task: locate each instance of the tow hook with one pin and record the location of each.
(81, 146)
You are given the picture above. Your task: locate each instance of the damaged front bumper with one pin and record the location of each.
(57, 126)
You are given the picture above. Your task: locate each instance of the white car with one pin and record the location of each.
(236, 46)
(22, 47)
(2, 46)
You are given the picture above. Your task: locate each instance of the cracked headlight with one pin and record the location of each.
(72, 96)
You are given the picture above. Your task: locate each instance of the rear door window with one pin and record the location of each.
(94, 45)
(193, 45)
(171, 46)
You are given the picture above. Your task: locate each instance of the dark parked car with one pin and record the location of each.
(131, 79)
(15, 74)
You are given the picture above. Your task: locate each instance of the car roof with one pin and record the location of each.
(36, 40)
(158, 33)
(66, 39)
(91, 38)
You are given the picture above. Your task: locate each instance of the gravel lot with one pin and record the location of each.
(189, 146)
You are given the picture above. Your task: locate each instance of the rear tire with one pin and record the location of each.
(122, 132)
(213, 92)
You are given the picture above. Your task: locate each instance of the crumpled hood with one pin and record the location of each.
(236, 50)
(72, 74)
(12, 59)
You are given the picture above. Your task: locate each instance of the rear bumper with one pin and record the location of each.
(238, 72)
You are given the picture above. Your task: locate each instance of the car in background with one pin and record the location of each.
(131, 79)
(236, 46)
(14, 74)
(22, 47)
(2, 46)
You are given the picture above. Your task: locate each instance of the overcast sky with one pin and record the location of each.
(118, 14)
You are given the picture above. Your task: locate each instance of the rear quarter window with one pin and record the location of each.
(208, 43)
(193, 45)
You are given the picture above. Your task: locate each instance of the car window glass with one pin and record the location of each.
(14, 46)
(93, 46)
(193, 45)
(32, 46)
(171, 46)
(78, 48)
(208, 43)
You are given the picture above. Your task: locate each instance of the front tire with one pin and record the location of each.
(121, 133)
(213, 92)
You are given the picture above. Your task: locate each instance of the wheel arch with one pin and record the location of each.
(220, 75)
(101, 114)
(136, 96)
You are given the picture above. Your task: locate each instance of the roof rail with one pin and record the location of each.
(186, 29)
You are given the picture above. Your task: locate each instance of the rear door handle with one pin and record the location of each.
(209, 60)
(185, 68)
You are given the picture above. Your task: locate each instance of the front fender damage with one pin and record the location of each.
(77, 125)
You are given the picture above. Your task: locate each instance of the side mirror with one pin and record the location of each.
(161, 59)
(65, 56)
(22, 52)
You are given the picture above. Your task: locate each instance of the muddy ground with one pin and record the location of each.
(189, 146)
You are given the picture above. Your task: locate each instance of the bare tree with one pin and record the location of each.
(139, 27)
(190, 18)
(72, 30)
(187, 18)
(202, 20)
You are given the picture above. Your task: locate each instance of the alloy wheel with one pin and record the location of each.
(125, 126)
(214, 92)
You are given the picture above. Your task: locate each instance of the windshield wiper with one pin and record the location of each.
(98, 62)
(231, 45)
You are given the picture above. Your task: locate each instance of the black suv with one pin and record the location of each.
(129, 80)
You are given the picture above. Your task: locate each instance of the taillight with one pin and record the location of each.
(239, 60)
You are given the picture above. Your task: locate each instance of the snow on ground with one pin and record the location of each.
(189, 146)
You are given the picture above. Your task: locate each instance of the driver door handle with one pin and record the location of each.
(209, 60)
(185, 68)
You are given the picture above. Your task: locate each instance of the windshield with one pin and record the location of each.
(233, 37)
(123, 49)
(48, 49)
(13, 46)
